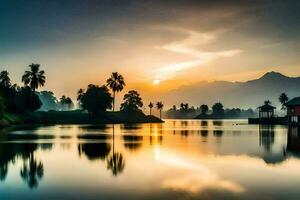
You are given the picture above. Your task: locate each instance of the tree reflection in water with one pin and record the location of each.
(32, 171)
(94, 151)
(3, 172)
(116, 161)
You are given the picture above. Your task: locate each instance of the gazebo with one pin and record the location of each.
(266, 111)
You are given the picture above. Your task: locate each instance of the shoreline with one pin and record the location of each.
(42, 118)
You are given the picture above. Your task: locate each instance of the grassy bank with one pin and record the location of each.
(78, 117)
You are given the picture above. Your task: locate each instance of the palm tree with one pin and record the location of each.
(34, 78)
(283, 98)
(159, 106)
(116, 83)
(150, 106)
(4, 78)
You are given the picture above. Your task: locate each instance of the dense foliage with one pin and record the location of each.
(96, 100)
(2, 107)
(132, 102)
(21, 99)
(218, 110)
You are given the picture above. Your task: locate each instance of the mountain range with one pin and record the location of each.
(249, 94)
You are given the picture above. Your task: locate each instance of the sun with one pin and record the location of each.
(156, 82)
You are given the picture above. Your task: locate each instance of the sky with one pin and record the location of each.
(156, 45)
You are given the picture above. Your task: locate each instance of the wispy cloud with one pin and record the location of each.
(191, 46)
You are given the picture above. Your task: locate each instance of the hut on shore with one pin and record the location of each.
(293, 111)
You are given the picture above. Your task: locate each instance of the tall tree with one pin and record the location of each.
(159, 106)
(34, 78)
(150, 106)
(4, 79)
(116, 83)
(283, 98)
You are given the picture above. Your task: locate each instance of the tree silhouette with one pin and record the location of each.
(96, 100)
(159, 106)
(283, 98)
(184, 107)
(34, 78)
(132, 102)
(150, 106)
(29, 99)
(204, 109)
(116, 83)
(218, 109)
(4, 79)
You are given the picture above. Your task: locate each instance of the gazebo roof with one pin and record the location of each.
(266, 107)
(293, 102)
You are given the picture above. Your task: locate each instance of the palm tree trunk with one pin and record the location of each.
(160, 114)
(114, 101)
(150, 111)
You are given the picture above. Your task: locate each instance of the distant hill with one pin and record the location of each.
(237, 94)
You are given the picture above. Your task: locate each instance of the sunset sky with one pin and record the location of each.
(156, 45)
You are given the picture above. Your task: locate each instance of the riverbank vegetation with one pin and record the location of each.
(24, 105)
(217, 111)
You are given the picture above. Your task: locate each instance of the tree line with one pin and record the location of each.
(95, 99)
(204, 111)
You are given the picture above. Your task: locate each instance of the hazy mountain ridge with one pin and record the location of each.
(247, 94)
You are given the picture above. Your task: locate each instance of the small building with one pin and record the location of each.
(266, 111)
(293, 111)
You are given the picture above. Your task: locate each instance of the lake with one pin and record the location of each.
(180, 159)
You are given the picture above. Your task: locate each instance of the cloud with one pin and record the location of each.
(198, 177)
(191, 46)
(196, 183)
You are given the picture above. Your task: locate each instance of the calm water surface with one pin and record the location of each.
(175, 160)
